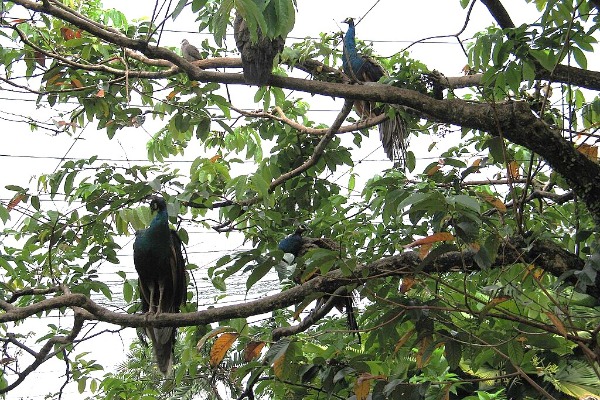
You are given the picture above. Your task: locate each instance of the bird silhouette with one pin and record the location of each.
(361, 68)
(159, 262)
(189, 51)
(257, 57)
(299, 245)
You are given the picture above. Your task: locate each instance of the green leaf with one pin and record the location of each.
(467, 202)
(580, 57)
(453, 353)
(127, 291)
(178, 8)
(4, 215)
(515, 351)
(545, 58)
(259, 271)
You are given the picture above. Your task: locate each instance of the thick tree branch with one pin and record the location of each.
(547, 255)
(499, 13)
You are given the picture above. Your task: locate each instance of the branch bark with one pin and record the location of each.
(547, 255)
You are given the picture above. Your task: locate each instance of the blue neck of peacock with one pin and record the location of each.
(159, 224)
(351, 61)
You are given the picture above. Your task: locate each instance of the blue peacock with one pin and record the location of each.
(361, 68)
(159, 262)
(297, 245)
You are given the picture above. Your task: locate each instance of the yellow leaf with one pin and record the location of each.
(403, 340)
(495, 202)
(589, 151)
(557, 323)
(253, 350)
(52, 80)
(220, 347)
(278, 366)
(433, 170)
(436, 237)
(76, 82)
(423, 346)
(173, 93)
(424, 250)
(362, 387)
(513, 170)
(407, 283)
(215, 332)
(493, 303)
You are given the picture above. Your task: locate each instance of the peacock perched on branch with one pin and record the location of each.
(361, 68)
(298, 245)
(159, 262)
(257, 56)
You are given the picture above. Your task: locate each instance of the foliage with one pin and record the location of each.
(463, 321)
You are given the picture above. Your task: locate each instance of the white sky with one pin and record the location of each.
(391, 25)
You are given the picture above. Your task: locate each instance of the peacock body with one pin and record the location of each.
(361, 68)
(298, 245)
(159, 262)
(257, 57)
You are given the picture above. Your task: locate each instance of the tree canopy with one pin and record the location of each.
(474, 274)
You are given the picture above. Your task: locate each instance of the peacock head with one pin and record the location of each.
(157, 203)
(349, 21)
(301, 229)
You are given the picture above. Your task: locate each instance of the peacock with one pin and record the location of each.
(257, 57)
(159, 262)
(361, 68)
(298, 245)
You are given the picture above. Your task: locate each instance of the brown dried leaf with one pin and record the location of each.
(76, 83)
(407, 283)
(67, 33)
(557, 323)
(589, 151)
(433, 170)
(495, 202)
(513, 170)
(253, 350)
(220, 347)
(436, 237)
(15, 201)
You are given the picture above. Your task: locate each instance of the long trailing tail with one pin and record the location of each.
(163, 340)
(393, 133)
(351, 316)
